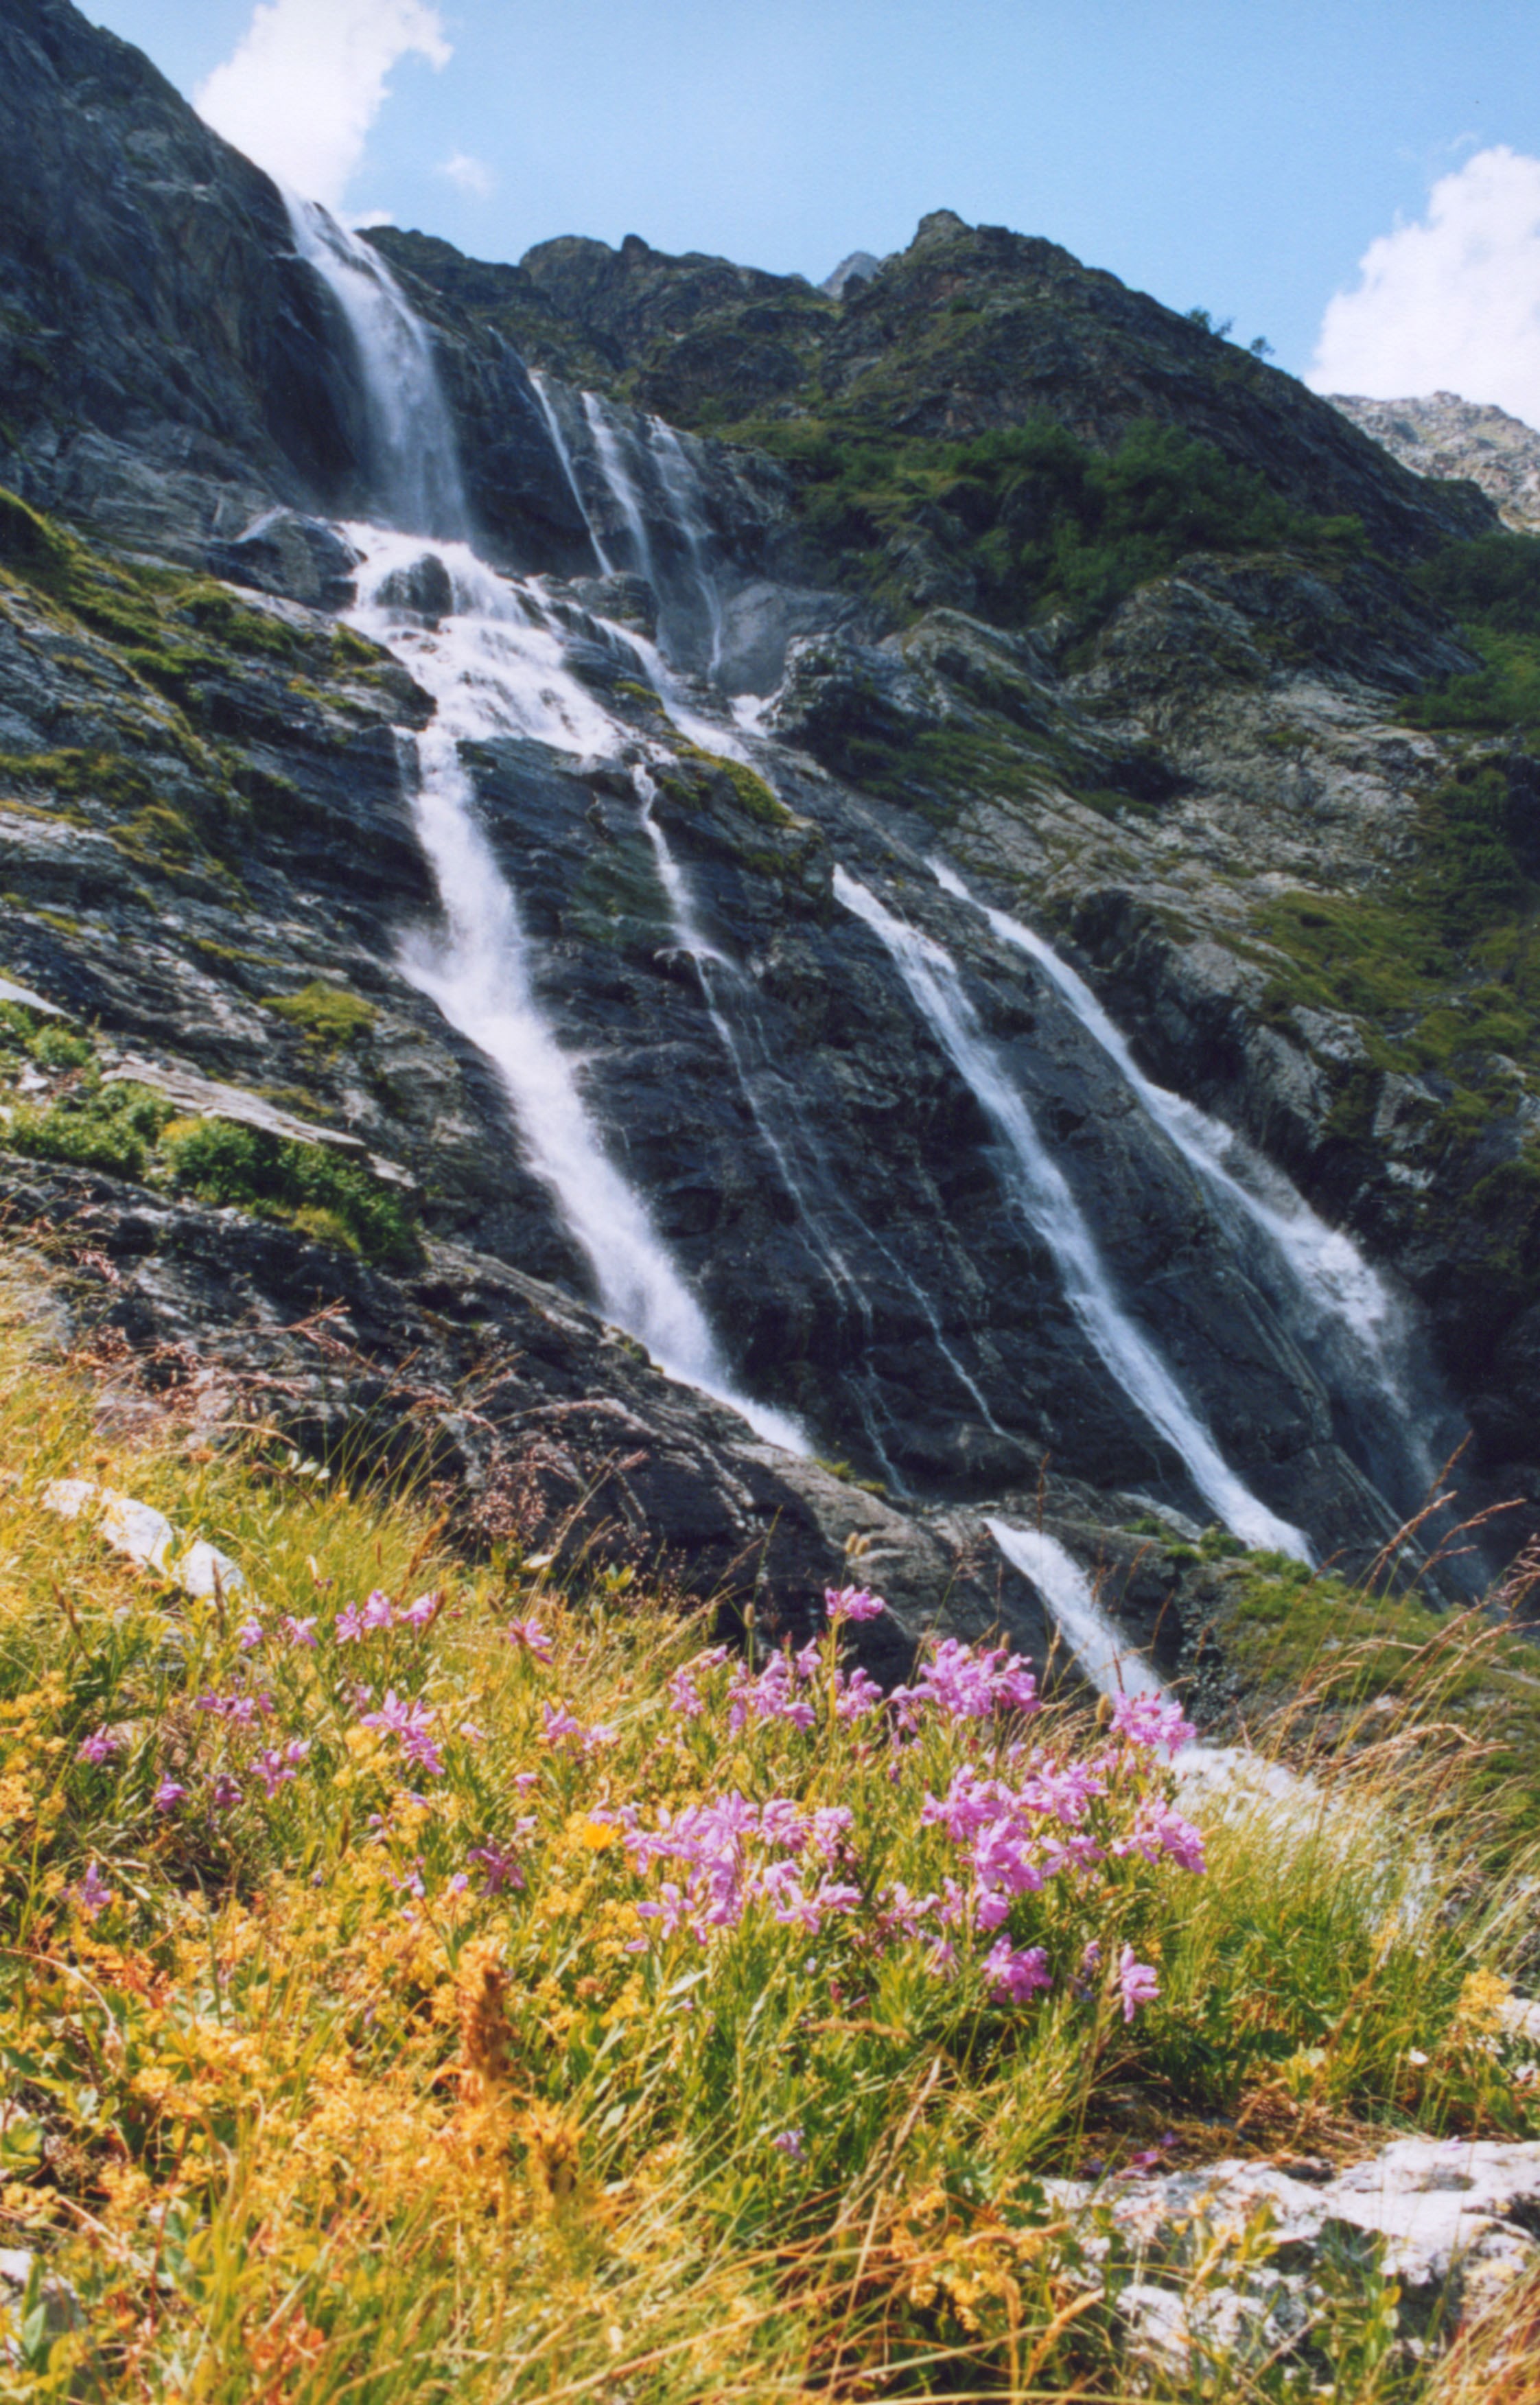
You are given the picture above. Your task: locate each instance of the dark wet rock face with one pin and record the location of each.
(213, 858)
(162, 353)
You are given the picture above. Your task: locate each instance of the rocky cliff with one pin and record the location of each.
(1442, 436)
(854, 723)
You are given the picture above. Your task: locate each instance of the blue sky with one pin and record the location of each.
(1239, 154)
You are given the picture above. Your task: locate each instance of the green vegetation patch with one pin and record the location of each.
(1319, 1649)
(91, 1126)
(1491, 587)
(314, 1187)
(1040, 520)
(325, 1015)
(129, 1130)
(750, 791)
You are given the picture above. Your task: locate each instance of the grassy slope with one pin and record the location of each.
(304, 2112)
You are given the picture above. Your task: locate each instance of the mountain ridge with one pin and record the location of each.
(1140, 685)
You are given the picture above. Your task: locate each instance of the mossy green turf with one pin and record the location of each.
(127, 1131)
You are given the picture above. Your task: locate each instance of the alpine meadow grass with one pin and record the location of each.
(425, 1977)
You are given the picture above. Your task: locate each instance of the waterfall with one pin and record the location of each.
(1113, 1666)
(560, 445)
(1040, 1187)
(494, 666)
(495, 669)
(416, 469)
(616, 471)
(1227, 1780)
(1337, 1304)
(709, 964)
(681, 484)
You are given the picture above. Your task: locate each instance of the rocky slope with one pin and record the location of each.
(1441, 435)
(1002, 562)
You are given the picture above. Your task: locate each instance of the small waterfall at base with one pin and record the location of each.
(494, 670)
(1113, 1666)
(1337, 1304)
(1045, 1197)
(416, 469)
(1231, 1778)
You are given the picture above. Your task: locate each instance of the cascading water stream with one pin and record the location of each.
(495, 668)
(564, 452)
(682, 487)
(1227, 1778)
(1043, 1194)
(1113, 1666)
(1325, 1275)
(416, 471)
(1336, 1305)
(495, 671)
(709, 965)
(616, 469)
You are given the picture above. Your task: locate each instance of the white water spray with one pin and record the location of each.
(1113, 1666)
(933, 981)
(681, 484)
(416, 471)
(610, 451)
(1329, 1275)
(495, 669)
(1227, 1780)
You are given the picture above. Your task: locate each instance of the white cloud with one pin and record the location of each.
(307, 81)
(1452, 305)
(472, 175)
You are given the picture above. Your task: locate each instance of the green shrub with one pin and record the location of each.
(324, 1014)
(1041, 519)
(110, 1128)
(54, 1047)
(332, 1196)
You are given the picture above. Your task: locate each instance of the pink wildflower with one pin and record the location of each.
(225, 1793)
(168, 1795)
(299, 1632)
(377, 1611)
(92, 1895)
(684, 1696)
(99, 1747)
(1017, 1975)
(1138, 1983)
(771, 1696)
(564, 1729)
(1150, 1721)
(672, 1913)
(852, 1603)
(499, 1866)
(790, 2144)
(857, 1695)
(272, 1769)
(250, 1636)
(531, 1635)
(348, 1626)
(968, 1685)
(424, 1611)
(1157, 1830)
(832, 1824)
